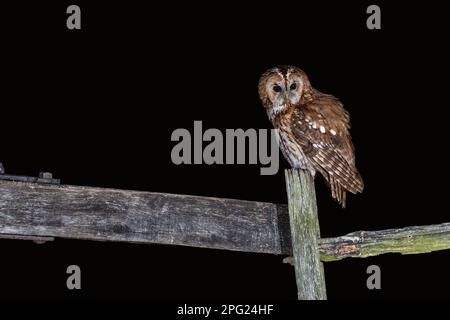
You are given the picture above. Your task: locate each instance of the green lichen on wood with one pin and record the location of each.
(410, 240)
(305, 233)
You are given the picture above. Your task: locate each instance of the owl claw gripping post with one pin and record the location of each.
(313, 127)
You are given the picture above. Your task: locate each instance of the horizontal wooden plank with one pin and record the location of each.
(76, 212)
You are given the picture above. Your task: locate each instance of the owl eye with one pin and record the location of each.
(276, 88)
(293, 86)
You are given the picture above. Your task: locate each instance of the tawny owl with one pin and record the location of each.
(313, 128)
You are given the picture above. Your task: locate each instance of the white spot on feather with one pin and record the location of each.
(318, 145)
(314, 125)
(322, 129)
(333, 132)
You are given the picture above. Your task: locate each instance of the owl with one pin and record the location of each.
(313, 129)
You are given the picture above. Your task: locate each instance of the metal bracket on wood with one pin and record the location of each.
(44, 177)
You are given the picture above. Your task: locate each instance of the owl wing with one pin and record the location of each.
(321, 128)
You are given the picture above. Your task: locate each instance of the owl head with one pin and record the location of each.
(283, 87)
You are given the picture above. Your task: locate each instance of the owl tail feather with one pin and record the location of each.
(337, 191)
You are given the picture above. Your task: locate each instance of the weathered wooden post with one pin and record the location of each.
(305, 234)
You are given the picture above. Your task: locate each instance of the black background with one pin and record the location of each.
(97, 107)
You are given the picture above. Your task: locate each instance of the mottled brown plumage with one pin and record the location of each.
(313, 129)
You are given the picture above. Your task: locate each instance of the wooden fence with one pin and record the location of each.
(40, 209)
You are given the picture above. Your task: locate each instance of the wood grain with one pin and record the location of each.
(409, 240)
(43, 212)
(305, 233)
(75, 212)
